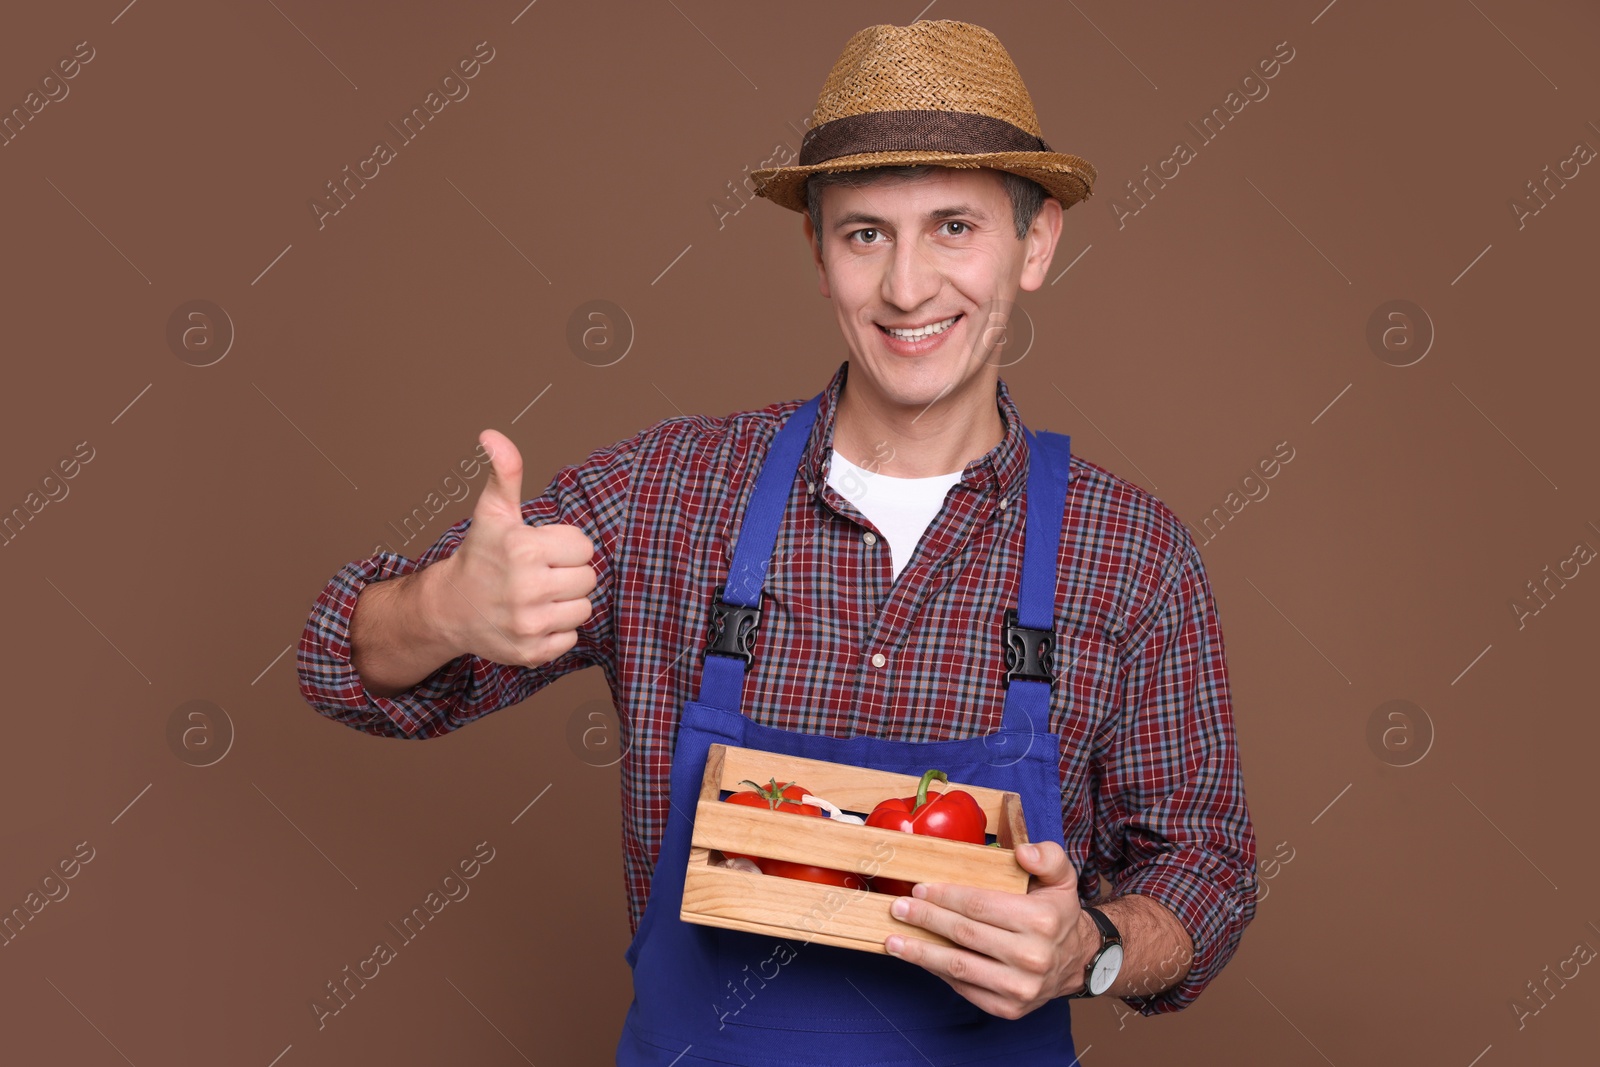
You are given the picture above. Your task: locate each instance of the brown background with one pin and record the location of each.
(1413, 903)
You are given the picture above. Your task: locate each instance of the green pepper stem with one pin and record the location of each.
(928, 777)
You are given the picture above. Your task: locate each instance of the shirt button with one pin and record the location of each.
(870, 539)
(878, 659)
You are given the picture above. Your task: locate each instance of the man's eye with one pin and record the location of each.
(955, 222)
(858, 233)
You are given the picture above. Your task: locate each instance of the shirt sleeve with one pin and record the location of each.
(1172, 822)
(591, 495)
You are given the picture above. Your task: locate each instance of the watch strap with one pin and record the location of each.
(1109, 935)
(1108, 930)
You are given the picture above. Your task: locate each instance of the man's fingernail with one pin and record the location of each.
(900, 907)
(1028, 852)
(893, 945)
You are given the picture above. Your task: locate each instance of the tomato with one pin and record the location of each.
(951, 814)
(788, 797)
(807, 873)
(785, 797)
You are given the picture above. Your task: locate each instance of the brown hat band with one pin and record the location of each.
(893, 131)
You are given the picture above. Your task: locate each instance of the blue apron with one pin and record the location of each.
(706, 995)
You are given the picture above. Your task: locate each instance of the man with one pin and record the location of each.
(875, 537)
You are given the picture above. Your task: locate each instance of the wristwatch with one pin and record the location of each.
(1102, 968)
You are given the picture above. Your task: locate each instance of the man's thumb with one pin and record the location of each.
(1047, 862)
(502, 493)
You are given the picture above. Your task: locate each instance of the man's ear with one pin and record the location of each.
(816, 253)
(1041, 239)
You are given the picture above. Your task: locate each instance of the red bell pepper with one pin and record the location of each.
(952, 814)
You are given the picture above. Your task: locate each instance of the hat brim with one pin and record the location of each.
(1066, 177)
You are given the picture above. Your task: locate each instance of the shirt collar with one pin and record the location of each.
(1003, 469)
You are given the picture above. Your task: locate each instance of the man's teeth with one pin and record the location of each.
(922, 331)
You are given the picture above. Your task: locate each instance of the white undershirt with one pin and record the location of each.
(901, 508)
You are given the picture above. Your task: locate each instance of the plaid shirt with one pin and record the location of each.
(1151, 790)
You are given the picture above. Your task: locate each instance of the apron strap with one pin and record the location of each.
(1049, 459)
(1029, 631)
(722, 679)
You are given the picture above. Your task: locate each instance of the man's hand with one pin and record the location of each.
(513, 593)
(1014, 951)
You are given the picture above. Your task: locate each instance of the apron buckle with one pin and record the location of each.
(733, 629)
(1029, 652)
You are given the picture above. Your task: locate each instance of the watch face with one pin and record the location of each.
(1105, 969)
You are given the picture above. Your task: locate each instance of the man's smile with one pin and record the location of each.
(908, 340)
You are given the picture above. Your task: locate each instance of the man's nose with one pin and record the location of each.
(912, 278)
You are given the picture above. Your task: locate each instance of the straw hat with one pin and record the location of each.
(940, 92)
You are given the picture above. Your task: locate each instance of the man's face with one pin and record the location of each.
(920, 252)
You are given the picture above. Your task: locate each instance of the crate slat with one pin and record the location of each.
(869, 850)
(791, 909)
(857, 789)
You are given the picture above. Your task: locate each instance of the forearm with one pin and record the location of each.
(1156, 949)
(398, 635)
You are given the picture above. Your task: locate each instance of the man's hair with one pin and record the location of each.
(1027, 196)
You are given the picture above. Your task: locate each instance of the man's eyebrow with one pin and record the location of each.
(854, 218)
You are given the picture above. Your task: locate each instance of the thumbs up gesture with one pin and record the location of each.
(517, 593)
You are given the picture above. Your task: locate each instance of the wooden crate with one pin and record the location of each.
(798, 910)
